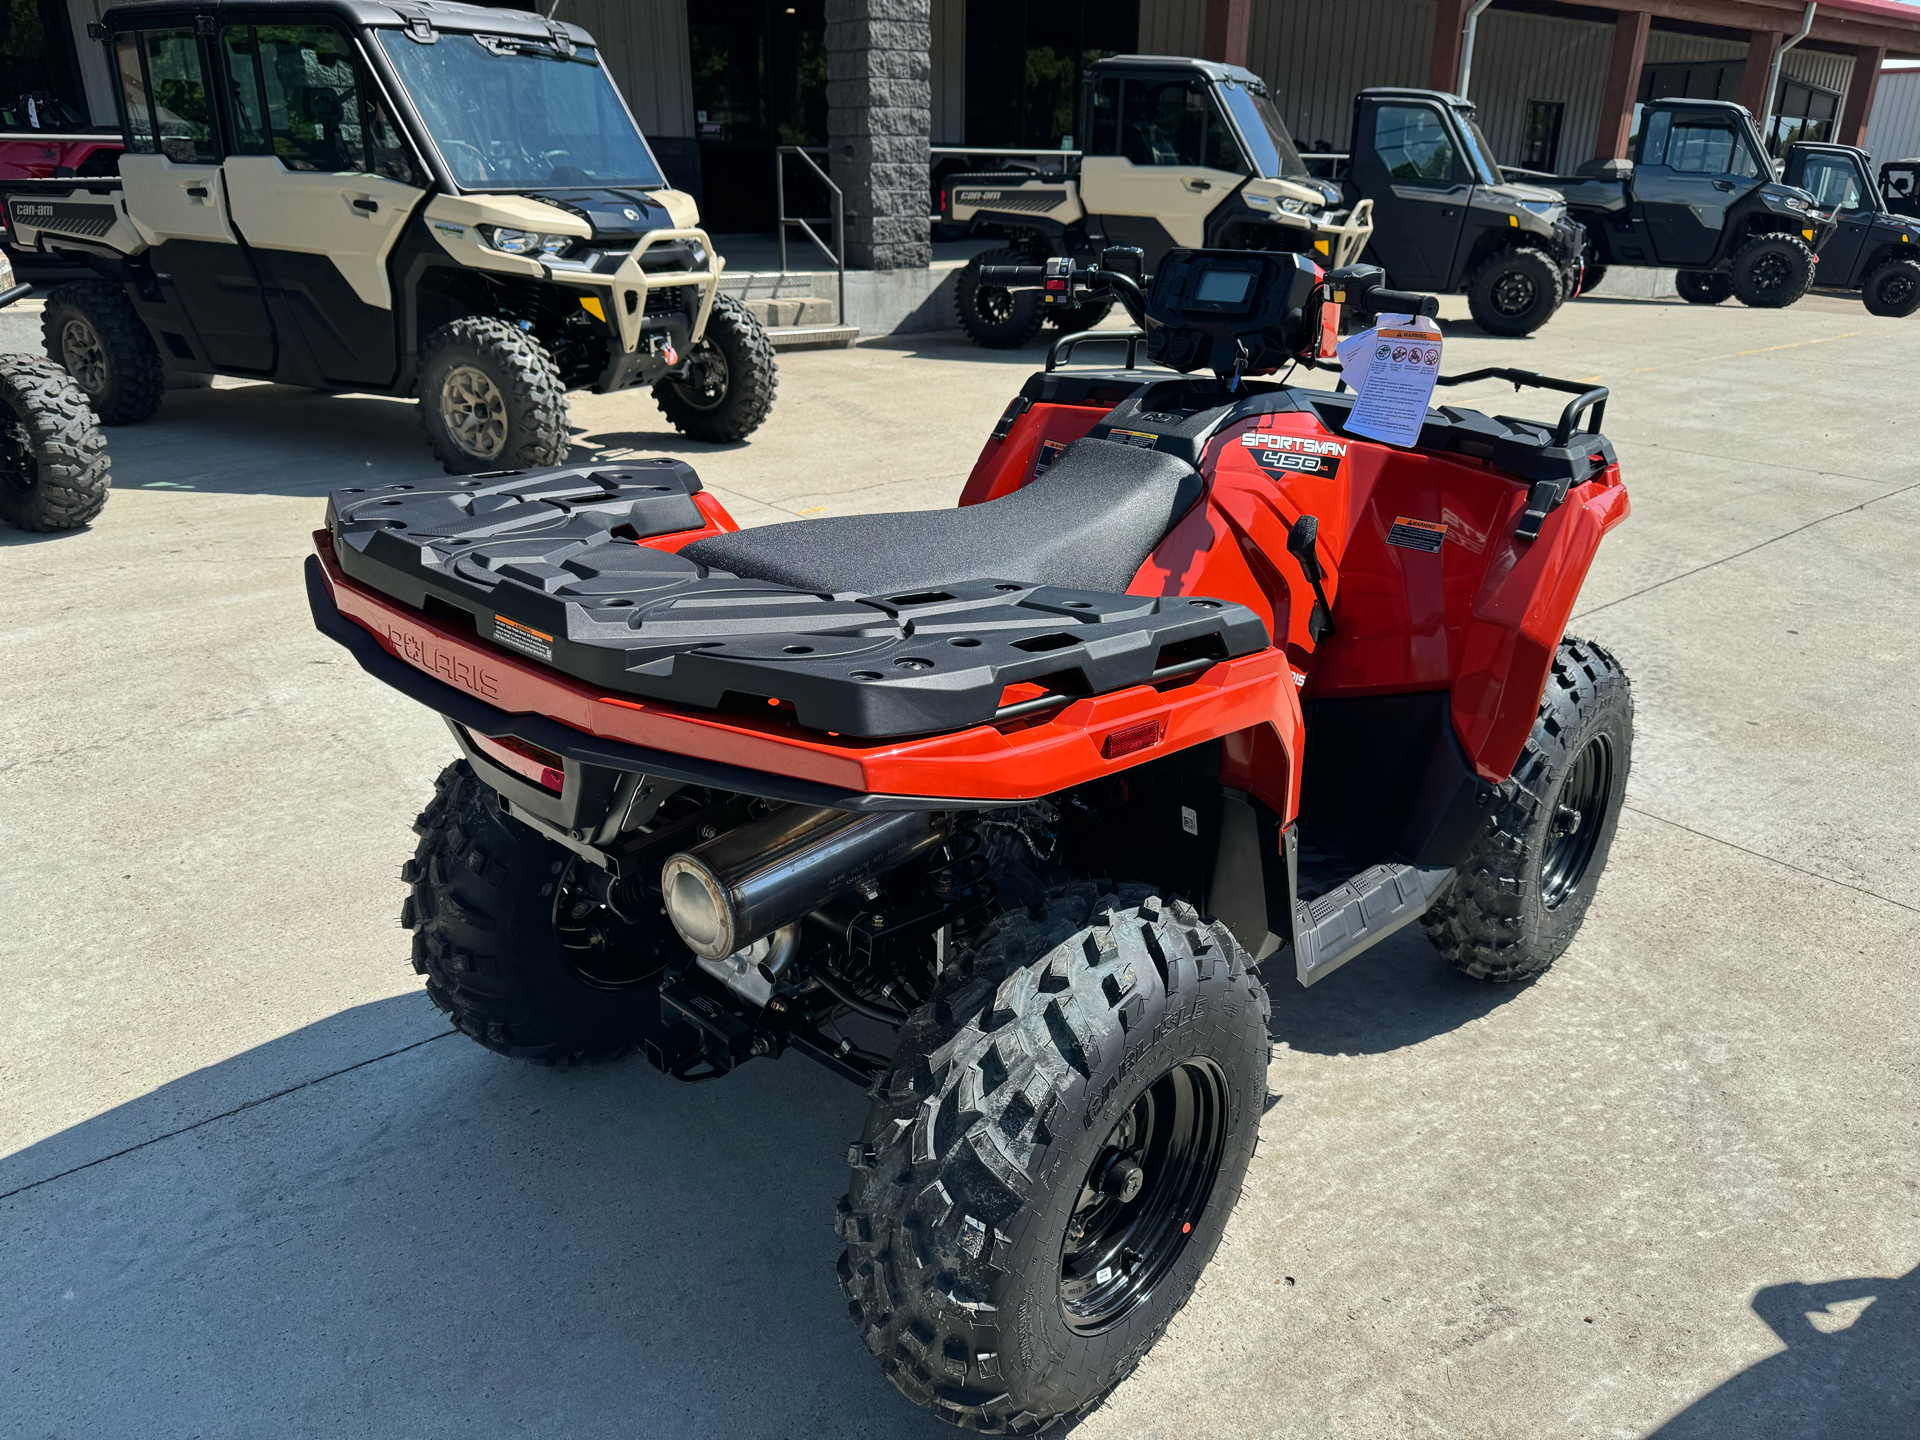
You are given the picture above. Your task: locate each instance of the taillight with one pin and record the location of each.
(530, 762)
(1129, 739)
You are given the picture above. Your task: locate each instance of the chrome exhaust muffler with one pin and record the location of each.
(724, 894)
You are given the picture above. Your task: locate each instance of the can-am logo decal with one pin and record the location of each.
(1282, 455)
(423, 653)
(457, 231)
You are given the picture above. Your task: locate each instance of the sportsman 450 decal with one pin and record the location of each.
(1295, 454)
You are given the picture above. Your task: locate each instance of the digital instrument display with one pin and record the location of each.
(1223, 287)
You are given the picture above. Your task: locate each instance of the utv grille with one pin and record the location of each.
(668, 300)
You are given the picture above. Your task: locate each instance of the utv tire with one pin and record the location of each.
(90, 328)
(1891, 289)
(1772, 271)
(1526, 887)
(1514, 291)
(1702, 287)
(1097, 1061)
(993, 316)
(53, 458)
(731, 378)
(1073, 319)
(1591, 277)
(491, 398)
(514, 950)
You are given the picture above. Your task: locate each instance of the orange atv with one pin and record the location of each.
(1004, 812)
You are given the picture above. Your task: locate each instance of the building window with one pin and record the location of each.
(1801, 112)
(1024, 64)
(1541, 134)
(1696, 80)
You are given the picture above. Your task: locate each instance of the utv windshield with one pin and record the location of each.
(1480, 155)
(518, 115)
(1266, 136)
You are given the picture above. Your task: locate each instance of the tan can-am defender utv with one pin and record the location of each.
(434, 199)
(1179, 152)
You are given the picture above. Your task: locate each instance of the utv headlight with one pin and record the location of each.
(1295, 207)
(527, 242)
(1540, 207)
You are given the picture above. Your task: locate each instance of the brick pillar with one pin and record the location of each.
(1623, 84)
(879, 120)
(1444, 63)
(1860, 101)
(1225, 35)
(1754, 80)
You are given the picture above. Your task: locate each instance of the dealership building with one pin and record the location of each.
(882, 92)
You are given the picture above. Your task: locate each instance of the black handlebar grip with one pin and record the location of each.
(1013, 275)
(1401, 302)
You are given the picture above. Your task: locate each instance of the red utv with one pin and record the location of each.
(1193, 682)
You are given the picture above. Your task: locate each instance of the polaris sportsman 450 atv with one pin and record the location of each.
(1193, 682)
(442, 200)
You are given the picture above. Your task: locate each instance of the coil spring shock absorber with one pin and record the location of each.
(955, 874)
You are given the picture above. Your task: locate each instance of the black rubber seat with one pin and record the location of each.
(1087, 523)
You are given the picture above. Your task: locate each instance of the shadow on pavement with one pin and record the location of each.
(441, 1242)
(1849, 1370)
(1398, 994)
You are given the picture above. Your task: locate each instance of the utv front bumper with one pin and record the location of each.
(641, 328)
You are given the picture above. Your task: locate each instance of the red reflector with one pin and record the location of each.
(1129, 739)
(530, 762)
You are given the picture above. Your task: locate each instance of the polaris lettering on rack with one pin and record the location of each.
(422, 653)
(1295, 454)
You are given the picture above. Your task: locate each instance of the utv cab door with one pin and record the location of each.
(1692, 168)
(171, 183)
(322, 183)
(1408, 161)
(1161, 157)
(1838, 180)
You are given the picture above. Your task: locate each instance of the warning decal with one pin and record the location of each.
(1424, 535)
(1049, 453)
(1295, 454)
(1139, 439)
(524, 638)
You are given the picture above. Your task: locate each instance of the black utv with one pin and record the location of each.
(1446, 219)
(1700, 197)
(1871, 250)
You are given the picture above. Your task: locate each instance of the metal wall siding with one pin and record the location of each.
(1894, 125)
(1669, 47)
(644, 43)
(948, 65)
(1518, 58)
(1830, 72)
(1315, 54)
(1173, 27)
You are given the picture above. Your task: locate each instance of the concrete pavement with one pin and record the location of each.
(250, 1185)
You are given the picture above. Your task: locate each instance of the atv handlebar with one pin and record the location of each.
(1394, 302)
(1074, 284)
(1014, 276)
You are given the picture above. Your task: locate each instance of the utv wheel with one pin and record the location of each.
(1052, 1159)
(53, 458)
(514, 948)
(1072, 319)
(1772, 271)
(1591, 277)
(491, 398)
(90, 328)
(1702, 287)
(1891, 289)
(730, 378)
(992, 315)
(1514, 292)
(1523, 892)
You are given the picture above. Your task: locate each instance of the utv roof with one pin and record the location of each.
(1405, 92)
(1213, 69)
(439, 14)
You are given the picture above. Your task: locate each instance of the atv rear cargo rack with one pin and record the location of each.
(552, 565)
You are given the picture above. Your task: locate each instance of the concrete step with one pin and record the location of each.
(812, 337)
(786, 300)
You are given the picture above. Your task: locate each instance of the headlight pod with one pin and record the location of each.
(1540, 207)
(526, 242)
(1297, 207)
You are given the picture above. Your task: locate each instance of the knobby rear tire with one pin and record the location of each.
(125, 382)
(1702, 287)
(1002, 1094)
(53, 458)
(1515, 291)
(1891, 290)
(992, 316)
(1500, 920)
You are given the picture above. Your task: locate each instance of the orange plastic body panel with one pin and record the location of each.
(1015, 761)
(1007, 465)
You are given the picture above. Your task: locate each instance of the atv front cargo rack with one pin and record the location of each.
(551, 565)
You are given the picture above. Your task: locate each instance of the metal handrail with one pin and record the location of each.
(1062, 351)
(838, 251)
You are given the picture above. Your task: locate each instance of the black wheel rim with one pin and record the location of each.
(1769, 273)
(995, 304)
(1575, 824)
(18, 470)
(606, 952)
(1513, 292)
(705, 385)
(1897, 290)
(1143, 1196)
